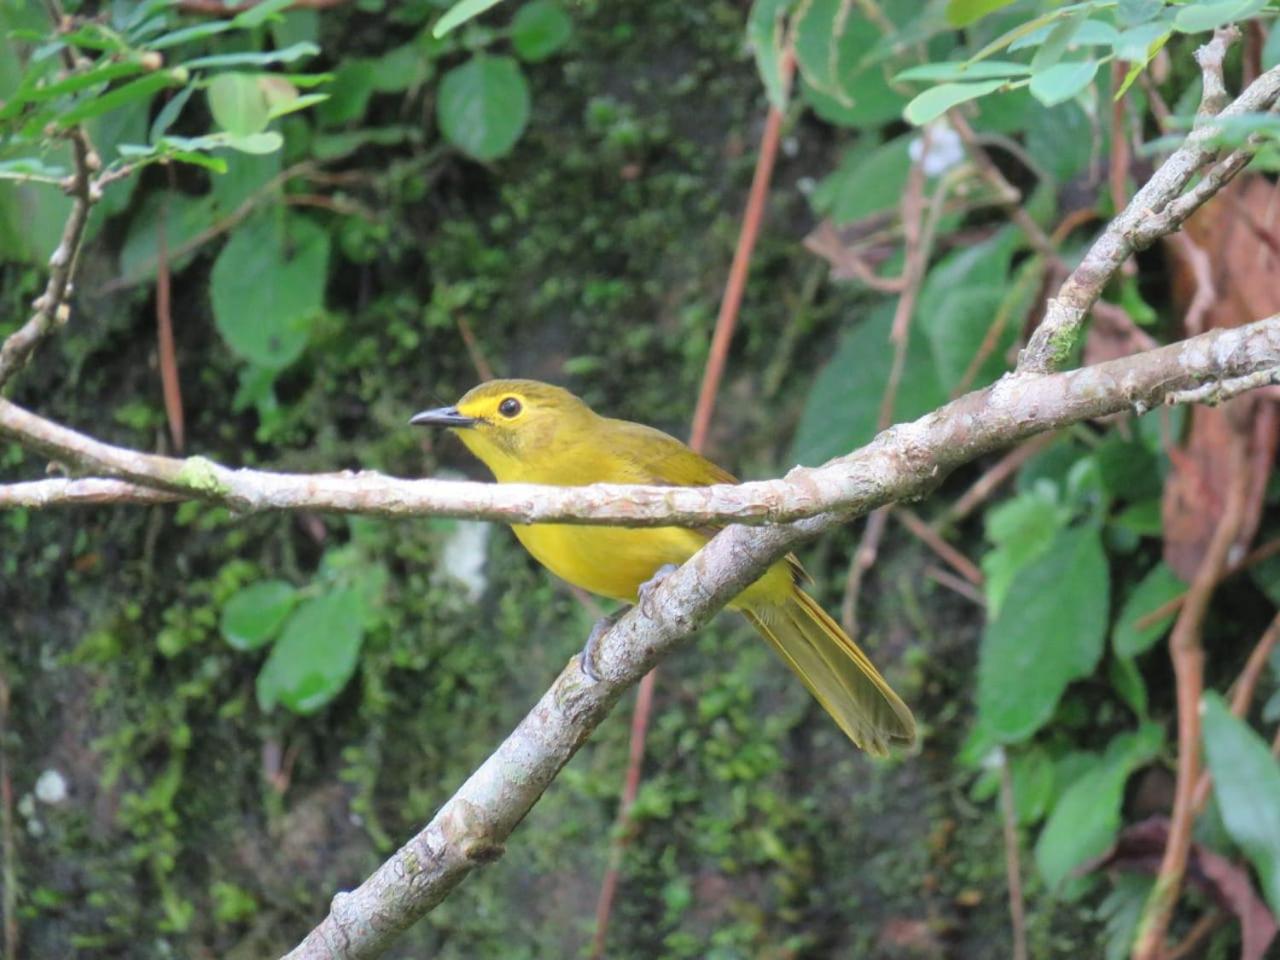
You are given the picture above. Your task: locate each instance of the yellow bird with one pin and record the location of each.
(530, 432)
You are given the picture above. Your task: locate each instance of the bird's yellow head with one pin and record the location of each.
(512, 424)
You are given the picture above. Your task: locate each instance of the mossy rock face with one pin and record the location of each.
(594, 255)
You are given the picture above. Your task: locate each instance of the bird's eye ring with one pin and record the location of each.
(509, 407)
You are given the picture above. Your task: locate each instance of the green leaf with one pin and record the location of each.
(285, 107)
(267, 287)
(1271, 50)
(1202, 16)
(266, 142)
(316, 655)
(1157, 588)
(960, 300)
(255, 614)
(1134, 45)
(1086, 818)
(1021, 530)
(936, 101)
(964, 70)
(187, 34)
(1032, 774)
(1134, 12)
(460, 13)
(765, 37)
(1062, 81)
(1061, 141)
(483, 106)
(539, 29)
(238, 103)
(1055, 42)
(251, 59)
(170, 112)
(867, 181)
(1126, 680)
(1246, 781)
(259, 13)
(961, 13)
(104, 73)
(400, 69)
(843, 406)
(1049, 633)
(138, 89)
(841, 76)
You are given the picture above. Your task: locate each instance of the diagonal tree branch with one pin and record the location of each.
(50, 308)
(472, 827)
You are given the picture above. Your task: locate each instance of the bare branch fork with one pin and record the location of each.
(1159, 208)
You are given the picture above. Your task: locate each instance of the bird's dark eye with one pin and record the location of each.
(509, 407)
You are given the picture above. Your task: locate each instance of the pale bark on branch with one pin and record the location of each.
(1158, 209)
(906, 460)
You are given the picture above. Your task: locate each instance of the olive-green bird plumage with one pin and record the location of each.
(530, 432)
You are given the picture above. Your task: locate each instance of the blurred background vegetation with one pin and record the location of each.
(327, 218)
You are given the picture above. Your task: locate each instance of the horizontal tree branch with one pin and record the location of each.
(904, 461)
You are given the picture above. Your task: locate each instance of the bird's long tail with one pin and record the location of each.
(836, 672)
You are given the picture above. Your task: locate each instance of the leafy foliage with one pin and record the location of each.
(332, 246)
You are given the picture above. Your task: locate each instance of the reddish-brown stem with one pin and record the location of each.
(1188, 663)
(1012, 863)
(1196, 935)
(955, 584)
(752, 217)
(713, 373)
(991, 481)
(1254, 557)
(934, 541)
(478, 360)
(169, 381)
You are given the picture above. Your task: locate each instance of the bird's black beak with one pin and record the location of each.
(442, 417)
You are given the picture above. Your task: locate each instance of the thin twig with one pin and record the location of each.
(170, 382)
(935, 542)
(1188, 663)
(1012, 864)
(1009, 196)
(919, 224)
(955, 584)
(993, 479)
(1198, 933)
(1212, 394)
(1254, 557)
(50, 308)
(478, 360)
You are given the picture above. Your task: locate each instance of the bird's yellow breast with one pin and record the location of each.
(610, 561)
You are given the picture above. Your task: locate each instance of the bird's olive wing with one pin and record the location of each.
(661, 459)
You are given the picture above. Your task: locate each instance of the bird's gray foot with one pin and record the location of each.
(645, 592)
(586, 659)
